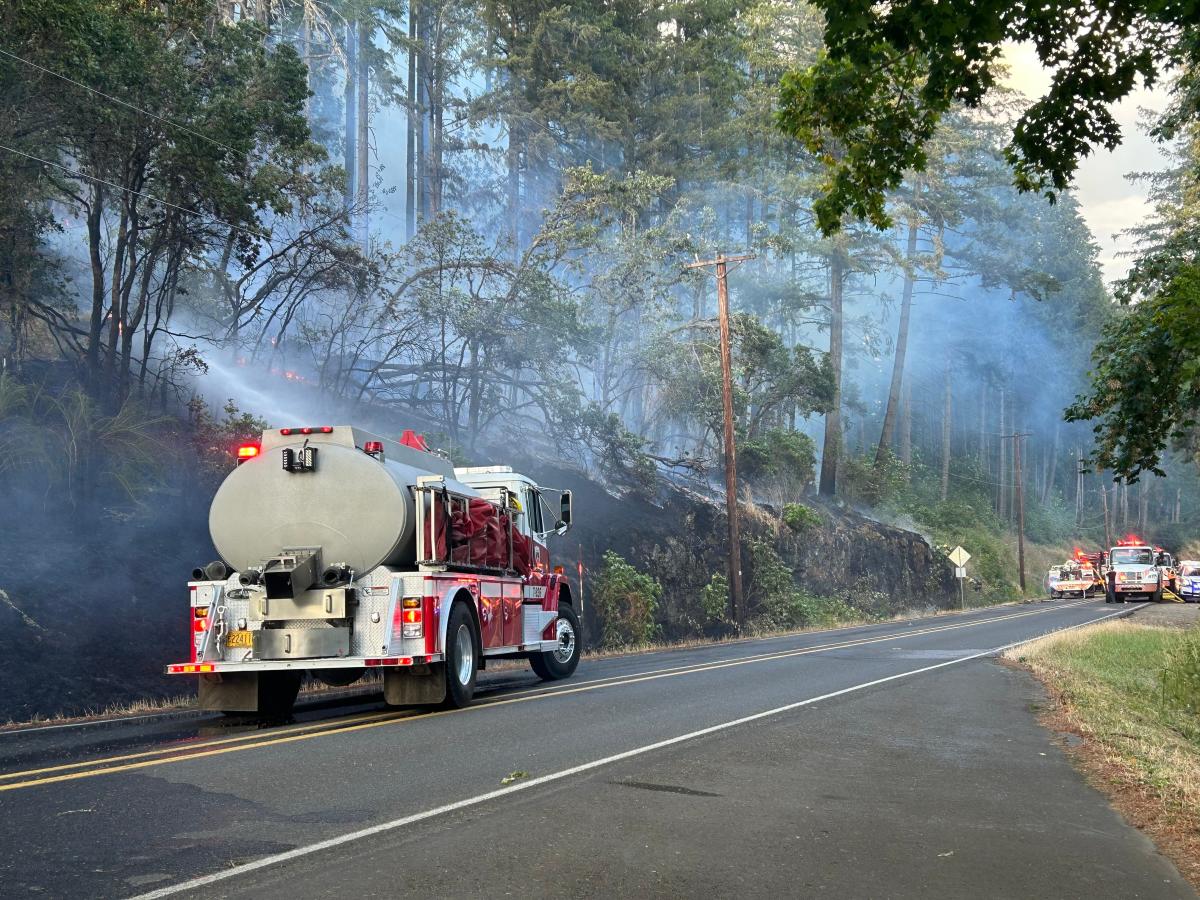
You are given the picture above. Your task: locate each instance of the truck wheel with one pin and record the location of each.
(277, 693)
(461, 664)
(562, 661)
(1156, 597)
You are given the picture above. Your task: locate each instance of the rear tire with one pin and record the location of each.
(562, 661)
(462, 664)
(277, 694)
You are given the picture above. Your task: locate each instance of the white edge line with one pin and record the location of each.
(383, 827)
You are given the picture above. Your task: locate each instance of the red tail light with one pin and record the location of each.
(374, 448)
(247, 451)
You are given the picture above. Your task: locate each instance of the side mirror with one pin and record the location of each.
(564, 513)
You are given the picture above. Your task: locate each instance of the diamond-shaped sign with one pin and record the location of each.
(959, 556)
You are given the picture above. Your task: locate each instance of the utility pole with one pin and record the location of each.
(1107, 521)
(721, 262)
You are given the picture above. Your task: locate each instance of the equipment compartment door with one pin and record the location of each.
(491, 614)
(513, 626)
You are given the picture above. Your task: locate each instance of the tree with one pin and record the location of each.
(1145, 387)
(892, 72)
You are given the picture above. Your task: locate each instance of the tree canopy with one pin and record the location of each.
(870, 105)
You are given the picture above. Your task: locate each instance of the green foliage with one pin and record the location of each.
(215, 439)
(866, 481)
(714, 600)
(1181, 675)
(800, 518)
(871, 104)
(1145, 388)
(776, 601)
(63, 443)
(779, 461)
(626, 601)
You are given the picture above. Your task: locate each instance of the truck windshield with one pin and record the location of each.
(1190, 570)
(1132, 556)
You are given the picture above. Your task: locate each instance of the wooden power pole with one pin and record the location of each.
(721, 262)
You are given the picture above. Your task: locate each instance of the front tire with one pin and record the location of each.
(462, 664)
(562, 661)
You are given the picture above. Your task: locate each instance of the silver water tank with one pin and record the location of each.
(356, 507)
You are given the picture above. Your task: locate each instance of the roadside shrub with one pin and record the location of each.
(626, 602)
(800, 518)
(64, 447)
(776, 601)
(1181, 676)
(714, 600)
(778, 462)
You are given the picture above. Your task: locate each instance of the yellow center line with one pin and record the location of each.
(390, 719)
(342, 723)
(183, 747)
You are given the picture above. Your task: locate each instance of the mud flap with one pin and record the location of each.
(415, 686)
(253, 692)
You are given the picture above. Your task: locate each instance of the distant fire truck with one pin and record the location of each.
(343, 552)
(1137, 569)
(1078, 576)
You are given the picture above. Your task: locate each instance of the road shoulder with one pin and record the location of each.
(1105, 708)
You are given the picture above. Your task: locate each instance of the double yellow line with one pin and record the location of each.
(9, 781)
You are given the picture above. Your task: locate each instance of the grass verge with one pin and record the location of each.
(1106, 688)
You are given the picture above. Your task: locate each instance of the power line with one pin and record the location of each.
(99, 93)
(120, 187)
(258, 234)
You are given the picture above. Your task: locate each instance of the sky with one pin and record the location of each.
(1109, 201)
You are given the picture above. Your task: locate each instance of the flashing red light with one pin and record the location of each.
(323, 429)
(248, 451)
(373, 447)
(285, 431)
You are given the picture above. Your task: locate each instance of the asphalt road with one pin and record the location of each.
(892, 760)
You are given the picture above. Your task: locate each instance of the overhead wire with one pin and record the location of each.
(125, 103)
(167, 121)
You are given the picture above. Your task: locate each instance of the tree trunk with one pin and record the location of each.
(831, 447)
(947, 411)
(1001, 466)
(363, 142)
(1048, 487)
(893, 398)
(97, 265)
(350, 109)
(410, 131)
(906, 424)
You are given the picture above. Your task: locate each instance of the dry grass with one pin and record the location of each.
(1145, 754)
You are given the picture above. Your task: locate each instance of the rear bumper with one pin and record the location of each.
(300, 665)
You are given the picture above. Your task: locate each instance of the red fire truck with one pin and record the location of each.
(342, 552)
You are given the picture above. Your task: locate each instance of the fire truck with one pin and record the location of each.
(1139, 570)
(1080, 575)
(343, 553)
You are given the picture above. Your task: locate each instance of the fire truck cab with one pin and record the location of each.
(1138, 570)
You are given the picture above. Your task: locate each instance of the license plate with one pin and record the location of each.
(239, 639)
